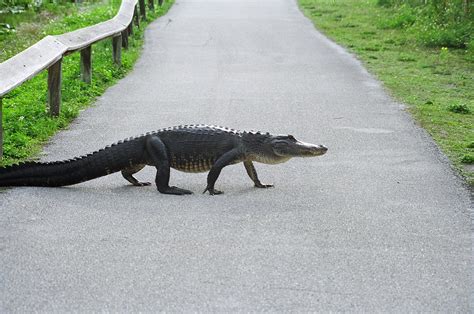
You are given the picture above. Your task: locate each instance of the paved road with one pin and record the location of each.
(379, 223)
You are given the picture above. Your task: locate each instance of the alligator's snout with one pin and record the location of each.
(310, 150)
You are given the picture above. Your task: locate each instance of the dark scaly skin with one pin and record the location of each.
(189, 148)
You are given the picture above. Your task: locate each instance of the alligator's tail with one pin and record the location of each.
(72, 171)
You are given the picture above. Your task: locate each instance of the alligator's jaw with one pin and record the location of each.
(303, 149)
(270, 160)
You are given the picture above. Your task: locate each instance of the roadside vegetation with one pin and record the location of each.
(423, 51)
(26, 121)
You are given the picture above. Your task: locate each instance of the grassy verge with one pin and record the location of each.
(26, 122)
(437, 83)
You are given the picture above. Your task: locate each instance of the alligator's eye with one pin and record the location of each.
(292, 138)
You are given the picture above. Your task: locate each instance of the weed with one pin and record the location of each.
(403, 17)
(406, 58)
(468, 159)
(372, 48)
(459, 108)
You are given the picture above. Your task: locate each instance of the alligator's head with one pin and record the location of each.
(279, 148)
(288, 146)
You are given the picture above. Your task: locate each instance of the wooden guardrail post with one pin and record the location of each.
(86, 64)
(1, 130)
(117, 49)
(142, 9)
(136, 16)
(151, 5)
(54, 87)
(125, 39)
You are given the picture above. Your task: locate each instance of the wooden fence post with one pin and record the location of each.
(54, 88)
(125, 39)
(136, 16)
(130, 29)
(117, 49)
(160, 2)
(151, 5)
(86, 64)
(142, 9)
(1, 130)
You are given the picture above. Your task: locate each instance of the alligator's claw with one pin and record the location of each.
(142, 184)
(212, 191)
(175, 191)
(263, 186)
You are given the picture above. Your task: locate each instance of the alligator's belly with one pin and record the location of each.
(191, 165)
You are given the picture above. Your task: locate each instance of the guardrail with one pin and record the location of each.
(49, 52)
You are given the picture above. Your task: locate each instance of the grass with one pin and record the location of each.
(437, 83)
(26, 122)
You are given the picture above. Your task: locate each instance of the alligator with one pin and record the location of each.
(188, 148)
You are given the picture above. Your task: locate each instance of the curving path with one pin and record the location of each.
(380, 223)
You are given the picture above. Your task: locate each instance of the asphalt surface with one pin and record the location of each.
(380, 223)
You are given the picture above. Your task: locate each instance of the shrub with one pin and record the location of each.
(437, 23)
(403, 17)
(447, 35)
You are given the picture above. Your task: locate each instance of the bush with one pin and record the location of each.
(385, 3)
(9, 5)
(453, 36)
(405, 16)
(437, 23)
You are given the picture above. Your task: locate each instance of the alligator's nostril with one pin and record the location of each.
(324, 148)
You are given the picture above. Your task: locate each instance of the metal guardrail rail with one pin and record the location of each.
(49, 52)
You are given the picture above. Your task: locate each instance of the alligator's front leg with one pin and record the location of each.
(253, 175)
(226, 159)
(156, 151)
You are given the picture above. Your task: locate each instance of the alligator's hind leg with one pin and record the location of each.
(128, 175)
(156, 151)
(253, 175)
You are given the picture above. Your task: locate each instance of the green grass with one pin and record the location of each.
(26, 122)
(437, 83)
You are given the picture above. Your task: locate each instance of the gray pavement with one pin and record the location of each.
(380, 223)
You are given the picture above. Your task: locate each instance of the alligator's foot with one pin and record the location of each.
(263, 186)
(212, 191)
(141, 183)
(175, 191)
